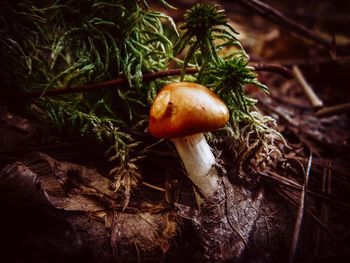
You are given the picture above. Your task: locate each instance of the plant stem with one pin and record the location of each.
(275, 68)
(109, 84)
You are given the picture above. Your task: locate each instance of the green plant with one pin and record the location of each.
(71, 43)
(208, 34)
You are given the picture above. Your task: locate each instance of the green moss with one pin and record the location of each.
(73, 42)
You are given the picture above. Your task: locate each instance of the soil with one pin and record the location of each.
(57, 204)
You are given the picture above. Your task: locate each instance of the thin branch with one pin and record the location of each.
(279, 18)
(275, 68)
(344, 60)
(300, 212)
(109, 83)
(309, 92)
(333, 110)
(152, 186)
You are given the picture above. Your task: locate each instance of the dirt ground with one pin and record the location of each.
(303, 202)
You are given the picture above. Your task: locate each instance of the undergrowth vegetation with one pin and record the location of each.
(70, 43)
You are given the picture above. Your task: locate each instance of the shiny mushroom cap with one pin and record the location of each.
(186, 108)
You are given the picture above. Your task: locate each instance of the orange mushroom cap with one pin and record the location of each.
(186, 108)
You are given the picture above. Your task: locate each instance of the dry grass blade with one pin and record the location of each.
(339, 171)
(329, 198)
(309, 92)
(288, 197)
(324, 196)
(281, 180)
(325, 208)
(300, 213)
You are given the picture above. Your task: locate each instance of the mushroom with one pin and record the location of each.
(182, 112)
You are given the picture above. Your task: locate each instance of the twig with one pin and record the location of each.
(300, 213)
(309, 92)
(314, 61)
(275, 68)
(277, 17)
(153, 186)
(333, 110)
(109, 83)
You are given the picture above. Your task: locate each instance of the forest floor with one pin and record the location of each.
(316, 127)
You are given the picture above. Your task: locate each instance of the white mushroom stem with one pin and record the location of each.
(199, 162)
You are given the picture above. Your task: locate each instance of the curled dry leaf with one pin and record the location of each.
(224, 223)
(130, 232)
(73, 188)
(63, 185)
